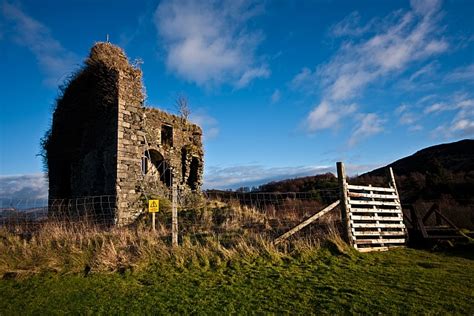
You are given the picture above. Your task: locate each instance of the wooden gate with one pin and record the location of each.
(372, 215)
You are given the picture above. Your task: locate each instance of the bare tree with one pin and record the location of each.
(182, 105)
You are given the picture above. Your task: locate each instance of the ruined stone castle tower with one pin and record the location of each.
(103, 141)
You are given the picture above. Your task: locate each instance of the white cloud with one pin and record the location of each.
(462, 124)
(304, 80)
(415, 128)
(54, 60)
(463, 74)
(406, 117)
(400, 42)
(251, 74)
(457, 103)
(30, 186)
(207, 42)
(402, 108)
(276, 96)
(425, 7)
(395, 43)
(437, 107)
(465, 104)
(426, 70)
(208, 123)
(368, 125)
(233, 177)
(253, 175)
(426, 98)
(324, 116)
(350, 26)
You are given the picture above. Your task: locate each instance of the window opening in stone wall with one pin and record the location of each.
(193, 174)
(144, 165)
(167, 135)
(159, 167)
(184, 160)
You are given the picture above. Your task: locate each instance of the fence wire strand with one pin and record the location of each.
(218, 213)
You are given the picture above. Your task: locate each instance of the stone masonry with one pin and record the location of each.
(104, 141)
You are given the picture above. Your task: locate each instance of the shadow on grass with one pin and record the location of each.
(464, 250)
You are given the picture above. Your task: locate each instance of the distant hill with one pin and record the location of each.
(453, 157)
(442, 174)
(303, 184)
(443, 171)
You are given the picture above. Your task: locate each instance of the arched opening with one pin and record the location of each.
(156, 166)
(193, 174)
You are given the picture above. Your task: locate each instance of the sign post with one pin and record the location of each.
(153, 208)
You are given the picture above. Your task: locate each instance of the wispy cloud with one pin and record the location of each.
(234, 177)
(437, 107)
(426, 70)
(254, 175)
(462, 123)
(207, 42)
(368, 124)
(387, 49)
(276, 96)
(326, 116)
(306, 80)
(407, 117)
(30, 186)
(464, 74)
(350, 26)
(54, 60)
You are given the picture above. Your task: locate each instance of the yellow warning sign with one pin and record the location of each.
(153, 206)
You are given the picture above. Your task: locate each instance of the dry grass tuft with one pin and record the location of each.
(209, 238)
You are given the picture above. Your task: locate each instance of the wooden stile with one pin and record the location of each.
(373, 215)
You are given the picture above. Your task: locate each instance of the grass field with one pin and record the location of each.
(325, 280)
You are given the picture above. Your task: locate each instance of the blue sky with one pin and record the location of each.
(281, 88)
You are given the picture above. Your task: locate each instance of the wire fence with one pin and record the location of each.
(218, 213)
(97, 210)
(212, 213)
(231, 214)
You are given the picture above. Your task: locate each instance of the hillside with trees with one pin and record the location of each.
(443, 171)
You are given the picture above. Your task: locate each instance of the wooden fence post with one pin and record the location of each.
(174, 210)
(341, 175)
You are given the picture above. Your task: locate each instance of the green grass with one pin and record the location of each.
(326, 280)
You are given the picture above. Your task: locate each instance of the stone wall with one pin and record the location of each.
(105, 142)
(156, 150)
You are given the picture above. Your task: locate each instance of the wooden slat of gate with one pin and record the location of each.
(375, 218)
(364, 188)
